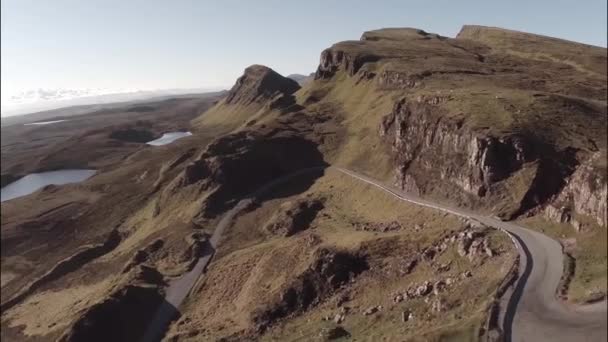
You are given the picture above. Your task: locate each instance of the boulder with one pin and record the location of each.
(438, 305)
(438, 287)
(370, 311)
(406, 316)
(338, 318)
(398, 298)
(334, 333)
(424, 289)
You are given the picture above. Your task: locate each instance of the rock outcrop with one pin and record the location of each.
(328, 272)
(425, 142)
(586, 193)
(240, 163)
(142, 255)
(419, 133)
(334, 59)
(481, 118)
(294, 216)
(259, 84)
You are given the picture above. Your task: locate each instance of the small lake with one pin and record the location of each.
(168, 138)
(43, 122)
(36, 181)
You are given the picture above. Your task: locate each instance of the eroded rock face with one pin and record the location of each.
(142, 255)
(478, 161)
(197, 244)
(240, 163)
(333, 60)
(258, 84)
(432, 149)
(398, 80)
(586, 193)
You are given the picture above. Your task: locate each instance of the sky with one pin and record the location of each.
(158, 44)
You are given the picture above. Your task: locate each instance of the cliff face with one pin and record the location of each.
(482, 119)
(586, 193)
(476, 162)
(430, 149)
(334, 59)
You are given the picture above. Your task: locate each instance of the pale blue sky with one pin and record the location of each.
(183, 44)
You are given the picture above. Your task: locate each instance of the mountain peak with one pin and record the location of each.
(259, 83)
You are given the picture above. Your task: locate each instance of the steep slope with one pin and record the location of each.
(469, 120)
(352, 257)
(266, 137)
(510, 123)
(258, 91)
(259, 84)
(506, 122)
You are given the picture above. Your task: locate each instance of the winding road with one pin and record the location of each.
(529, 312)
(180, 288)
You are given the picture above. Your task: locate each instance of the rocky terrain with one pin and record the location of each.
(505, 123)
(328, 274)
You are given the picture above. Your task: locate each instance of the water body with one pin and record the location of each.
(43, 122)
(35, 181)
(168, 138)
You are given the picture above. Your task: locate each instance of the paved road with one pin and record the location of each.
(179, 289)
(532, 312)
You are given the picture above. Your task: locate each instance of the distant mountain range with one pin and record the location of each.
(36, 100)
(301, 79)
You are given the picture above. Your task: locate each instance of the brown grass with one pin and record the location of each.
(254, 266)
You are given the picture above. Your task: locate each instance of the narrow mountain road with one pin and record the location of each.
(179, 289)
(532, 312)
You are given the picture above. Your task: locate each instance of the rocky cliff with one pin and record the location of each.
(258, 84)
(257, 92)
(238, 163)
(499, 120)
(586, 193)
(494, 118)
